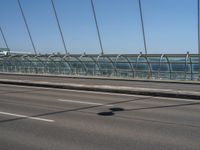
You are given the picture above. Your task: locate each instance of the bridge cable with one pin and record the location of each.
(198, 15)
(27, 27)
(142, 24)
(4, 38)
(59, 26)
(97, 26)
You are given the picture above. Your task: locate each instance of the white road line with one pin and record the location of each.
(176, 99)
(23, 116)
(81, 102)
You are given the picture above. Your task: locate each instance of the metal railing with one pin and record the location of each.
(151, 66)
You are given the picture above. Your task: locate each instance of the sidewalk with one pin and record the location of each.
(187, 94)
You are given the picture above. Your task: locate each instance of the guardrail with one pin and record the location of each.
(151, 66)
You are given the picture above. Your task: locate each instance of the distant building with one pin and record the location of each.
(4, 51)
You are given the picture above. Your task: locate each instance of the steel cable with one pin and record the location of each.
(198, 15)
(142, 24)
(4, 38)
(59, 26)
(27, 27)
(97, 26)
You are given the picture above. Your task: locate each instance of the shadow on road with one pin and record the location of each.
(110, 112)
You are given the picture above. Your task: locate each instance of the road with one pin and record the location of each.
(138, 84)
(33, 118)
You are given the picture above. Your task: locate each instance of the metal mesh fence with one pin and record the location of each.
(168, 67)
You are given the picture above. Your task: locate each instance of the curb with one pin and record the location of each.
(105, 78)
(110, 89)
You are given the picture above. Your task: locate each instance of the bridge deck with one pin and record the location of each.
(38, 118)
(140, 84)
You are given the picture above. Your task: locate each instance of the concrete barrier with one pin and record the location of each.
(106, 88)
(105, 78)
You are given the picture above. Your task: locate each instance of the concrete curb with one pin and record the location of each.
(111, 89)
(105, 78)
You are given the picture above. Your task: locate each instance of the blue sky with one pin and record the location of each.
(170, 25)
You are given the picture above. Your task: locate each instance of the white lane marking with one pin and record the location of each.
(81, 102)
(23, 116)
(176, 99)
(112, 94)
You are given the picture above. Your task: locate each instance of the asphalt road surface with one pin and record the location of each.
(34, 118)
(139, 84)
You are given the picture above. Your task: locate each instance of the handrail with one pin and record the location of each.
(112, 60)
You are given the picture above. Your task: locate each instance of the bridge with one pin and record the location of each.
(147, 66)
(98, 101)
